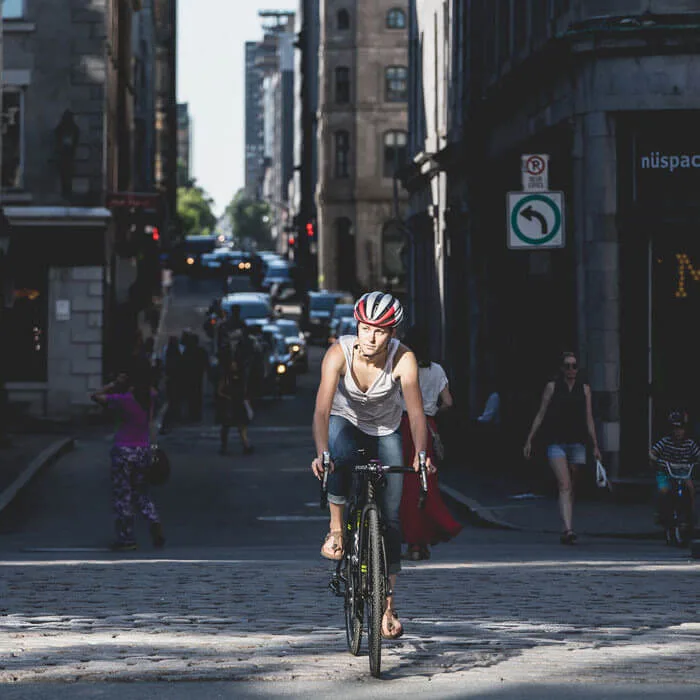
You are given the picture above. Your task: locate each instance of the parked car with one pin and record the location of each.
(296, 342)
(339, 311)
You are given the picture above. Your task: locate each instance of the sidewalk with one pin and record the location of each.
(492, 501)
(26, 456)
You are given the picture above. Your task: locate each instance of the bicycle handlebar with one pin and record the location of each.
(378, 468)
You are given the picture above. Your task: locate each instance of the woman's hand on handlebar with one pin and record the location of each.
(431, 468)
(527, 450)
(318, 469)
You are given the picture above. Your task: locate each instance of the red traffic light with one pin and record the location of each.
(155, 233)
(310, 230)
(291, 240)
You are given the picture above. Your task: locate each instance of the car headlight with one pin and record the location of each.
(247, 266)
(281, 369)
(296, 348)
(190, 261)
(241, 266)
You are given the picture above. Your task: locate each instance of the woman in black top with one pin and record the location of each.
(566, 405)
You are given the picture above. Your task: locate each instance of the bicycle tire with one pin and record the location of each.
(376, 598)
(353, 604)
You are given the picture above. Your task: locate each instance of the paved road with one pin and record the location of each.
(237, 603)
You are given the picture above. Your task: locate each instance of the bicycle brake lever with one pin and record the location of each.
(324, 481)
(423, 475)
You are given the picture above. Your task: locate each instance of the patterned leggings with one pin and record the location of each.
(129, 488)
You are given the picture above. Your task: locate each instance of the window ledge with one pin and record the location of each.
(16, 197)
(15, 26)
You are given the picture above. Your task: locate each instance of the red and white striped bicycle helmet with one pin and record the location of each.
(379, 309)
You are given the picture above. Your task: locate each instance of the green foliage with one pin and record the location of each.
(250, 220)
(194, 209)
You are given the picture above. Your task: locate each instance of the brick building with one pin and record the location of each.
(362, 122)
(71, 119)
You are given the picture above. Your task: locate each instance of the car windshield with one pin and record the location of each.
(322, 303)
(249, 309)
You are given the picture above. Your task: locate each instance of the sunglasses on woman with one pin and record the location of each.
(570, 365)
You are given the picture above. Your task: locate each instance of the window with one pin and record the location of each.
(12, 9)
(343, 20)
(342, 85)
(396, 18)
(396, 84)
(12, 137)
(342, 153)
(394, 151)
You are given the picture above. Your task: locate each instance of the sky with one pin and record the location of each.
(210, 55)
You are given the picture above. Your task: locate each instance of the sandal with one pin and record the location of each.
(333, 545)
(391, 626)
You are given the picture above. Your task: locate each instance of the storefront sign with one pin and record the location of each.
(133, 200)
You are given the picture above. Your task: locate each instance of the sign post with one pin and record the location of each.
(535, 220)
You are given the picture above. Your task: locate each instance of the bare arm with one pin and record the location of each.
(445, 399)
(539, 417)
(590, 422)
(407, 371)
(331, 369)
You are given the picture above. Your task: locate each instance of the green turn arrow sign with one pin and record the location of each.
(535, 220)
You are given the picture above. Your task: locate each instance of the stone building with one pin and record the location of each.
(68, 141)
(362, 122)
(609, 91)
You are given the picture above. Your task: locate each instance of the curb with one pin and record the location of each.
(47, 456)
(481, 516)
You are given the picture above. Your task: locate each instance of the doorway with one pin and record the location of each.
(674, 310)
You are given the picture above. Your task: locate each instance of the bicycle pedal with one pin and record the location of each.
(334, 585)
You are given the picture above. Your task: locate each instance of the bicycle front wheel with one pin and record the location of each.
(376, 583)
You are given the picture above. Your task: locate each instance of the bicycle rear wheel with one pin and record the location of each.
(376, 582)
(353, 603)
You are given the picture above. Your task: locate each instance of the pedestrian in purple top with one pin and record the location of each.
(131, 455)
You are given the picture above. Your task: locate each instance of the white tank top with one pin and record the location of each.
(376, 411)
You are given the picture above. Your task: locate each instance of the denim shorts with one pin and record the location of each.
(574, 452)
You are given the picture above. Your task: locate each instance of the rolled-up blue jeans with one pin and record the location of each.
(344, 440)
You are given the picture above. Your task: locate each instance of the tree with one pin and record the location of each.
(250, 220)
(194, 209)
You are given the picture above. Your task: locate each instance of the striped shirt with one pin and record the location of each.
(684, 452)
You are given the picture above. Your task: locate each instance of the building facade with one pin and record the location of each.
(70, 130)
(184, 145)
(254, 134)
(362, 124)
(610, 97)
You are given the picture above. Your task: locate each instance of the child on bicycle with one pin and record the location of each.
(674, 448)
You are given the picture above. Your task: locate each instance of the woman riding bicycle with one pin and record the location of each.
(358, 406)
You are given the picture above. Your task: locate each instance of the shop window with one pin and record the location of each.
(12, 139)
(396, 18)
(394, 151)
(25, 326)
(396, 79)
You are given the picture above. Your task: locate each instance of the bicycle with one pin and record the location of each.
(361, 576)
(676, 509)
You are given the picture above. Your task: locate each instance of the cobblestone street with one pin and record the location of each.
(493, 607)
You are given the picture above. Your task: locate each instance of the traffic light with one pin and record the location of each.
(291, 240)
(155, 233)
(310, 229)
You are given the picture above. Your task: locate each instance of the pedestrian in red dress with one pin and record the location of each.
(433, 523)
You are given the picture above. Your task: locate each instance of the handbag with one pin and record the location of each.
(601, 476)
(438, 445)
(159, 468)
